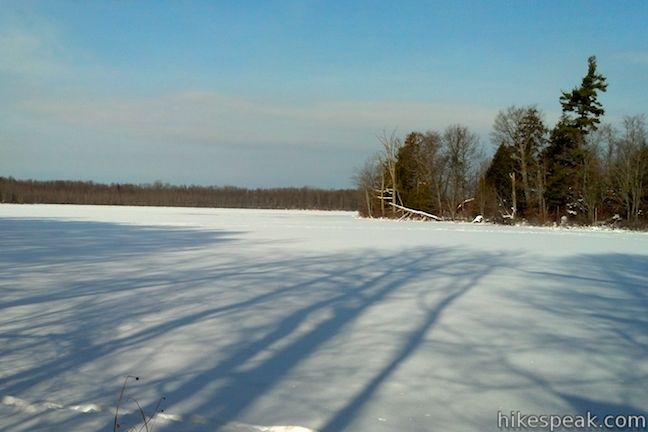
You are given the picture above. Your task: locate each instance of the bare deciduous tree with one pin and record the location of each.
(630, 165)
(391, 145)
(461, 151)
(433, 164)
(367, 180)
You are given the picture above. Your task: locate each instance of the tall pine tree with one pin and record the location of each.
(583, 100)
(567, 150)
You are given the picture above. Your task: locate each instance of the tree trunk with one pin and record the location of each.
(513, 195)
(382, 194)
(525, 176)
(368, 200)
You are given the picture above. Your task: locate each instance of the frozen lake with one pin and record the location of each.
(312, 319)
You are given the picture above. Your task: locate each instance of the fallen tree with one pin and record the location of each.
(410, 213)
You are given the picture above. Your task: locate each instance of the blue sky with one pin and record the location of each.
(286, 93)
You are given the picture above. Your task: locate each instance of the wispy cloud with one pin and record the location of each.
(636, 57)
(29, 52)
(213, 118)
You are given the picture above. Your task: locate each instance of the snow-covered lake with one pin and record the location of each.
(312, 319)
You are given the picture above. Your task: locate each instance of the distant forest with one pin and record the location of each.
(158, 194)
(579, 171)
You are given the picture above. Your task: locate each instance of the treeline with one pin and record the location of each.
(578, 171)
(158, 194)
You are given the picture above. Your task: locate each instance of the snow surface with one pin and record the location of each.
(315, 320)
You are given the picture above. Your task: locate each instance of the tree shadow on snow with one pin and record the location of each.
(311, 301)
(581, 347)
(241, 325)
(46, 241)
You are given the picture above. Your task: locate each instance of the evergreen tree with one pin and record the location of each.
(419, 168)
(583, 100)
(561, 155)
(409, 172)
(567, 152)
(498, 172)
(523, 131)
(498, 175)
